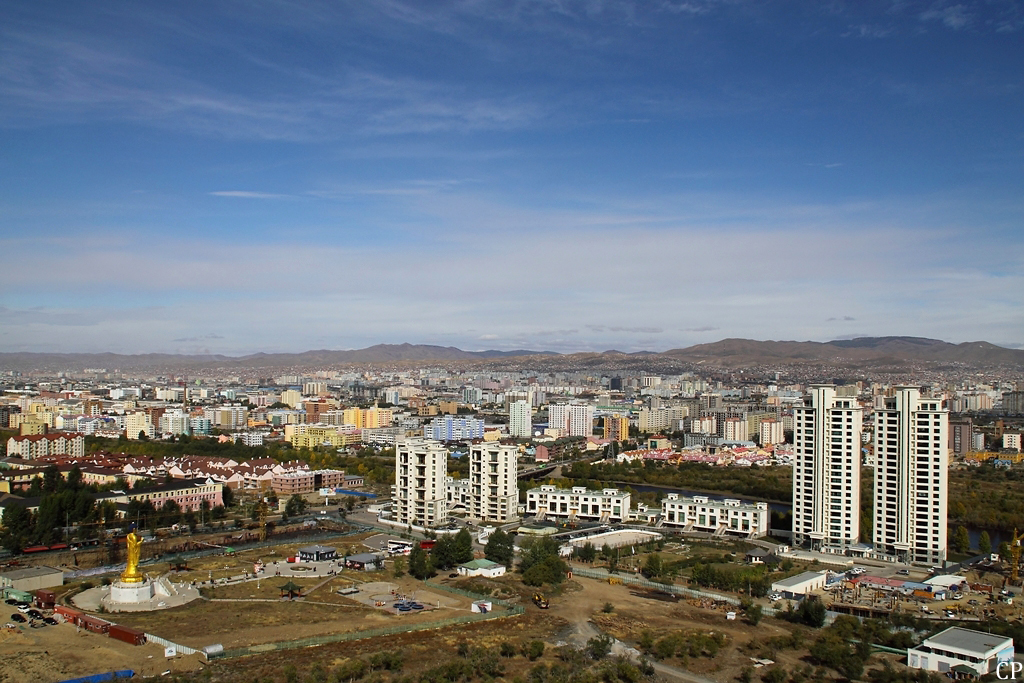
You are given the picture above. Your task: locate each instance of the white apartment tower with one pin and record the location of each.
(911, 438)
(826, 471)
(558, 417)
(573, 418)
(494, 492)
(420, 492)
(520, 425)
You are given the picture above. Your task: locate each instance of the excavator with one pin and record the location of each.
(540, 601)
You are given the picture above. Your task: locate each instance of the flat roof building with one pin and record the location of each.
(800, 585)
(961, 647)
(32, 578)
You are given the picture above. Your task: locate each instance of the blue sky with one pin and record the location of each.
(232, 177)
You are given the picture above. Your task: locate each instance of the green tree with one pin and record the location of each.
(296, 505)
(960, 542)
(984, 543)
(18, 526)
(463, 546)
(228, 496)
(399, 569)
(652, 566)
(598, 647)
(421, 565)
(754, 614)
(445, 553)
(586, 552)
(500, 548)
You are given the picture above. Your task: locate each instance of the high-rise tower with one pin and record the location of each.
(826, 470)
(911, 463)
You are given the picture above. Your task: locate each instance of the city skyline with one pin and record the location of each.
(497, 175)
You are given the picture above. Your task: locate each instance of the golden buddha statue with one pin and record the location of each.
(131, 573)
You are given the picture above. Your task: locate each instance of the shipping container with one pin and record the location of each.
(94, 624)
(126, 634)
(70, 614)
(923, 594)
(45, 599)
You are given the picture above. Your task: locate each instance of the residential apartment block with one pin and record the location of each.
(701, 513)
(38, 445)
(826, 471)
(616, 427)
(420, 492)
(571, 419)
(520, 424)
(608, 505)
(911, 462)
(450, 428)
(493, 476)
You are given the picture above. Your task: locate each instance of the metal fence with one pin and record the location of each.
(180, 649)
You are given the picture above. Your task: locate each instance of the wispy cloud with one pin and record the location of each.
(953, 16)
(244, 194)
(844, 318)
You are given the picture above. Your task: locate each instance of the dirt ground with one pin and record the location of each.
(244, 614)
(59, 652)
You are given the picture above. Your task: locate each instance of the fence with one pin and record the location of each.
(515, 610)
(180, 649)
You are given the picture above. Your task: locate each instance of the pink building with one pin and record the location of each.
(189, 494)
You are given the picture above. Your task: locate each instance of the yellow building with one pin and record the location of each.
(32, 425)
(291, 398)
(616, 427)
(448, 407)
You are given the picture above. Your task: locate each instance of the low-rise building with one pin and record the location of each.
(977, 652)
(701, 513)
(482, 568)
(31, 578)
(800, 585)
(607, 505)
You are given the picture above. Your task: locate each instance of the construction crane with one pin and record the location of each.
(1015, 549)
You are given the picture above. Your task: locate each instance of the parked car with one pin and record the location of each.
(50, 620)
(23, 608)
(18, 618)
(35, 614)
(903, 572)
(11, 601)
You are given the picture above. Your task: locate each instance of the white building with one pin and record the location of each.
(493, 476)
(608, 505)
(138, 423)
(800, 585)
(734, 429)
(707, 424)
(572, 419)
(982, 653)
(1011, 441)
(458, 494)
(420, 491)
(826, 471)
(658, 419)
(729, 516)
(520, 425)
(771, 432)
(30, 447)
(174, 422)
(911, 441)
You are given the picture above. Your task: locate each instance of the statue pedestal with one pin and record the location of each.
(131, 592)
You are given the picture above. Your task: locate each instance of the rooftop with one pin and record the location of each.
(29, 572)
(966, 639)
(799, 579)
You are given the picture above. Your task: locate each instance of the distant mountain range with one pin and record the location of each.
(739, 352)
(728, 353)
